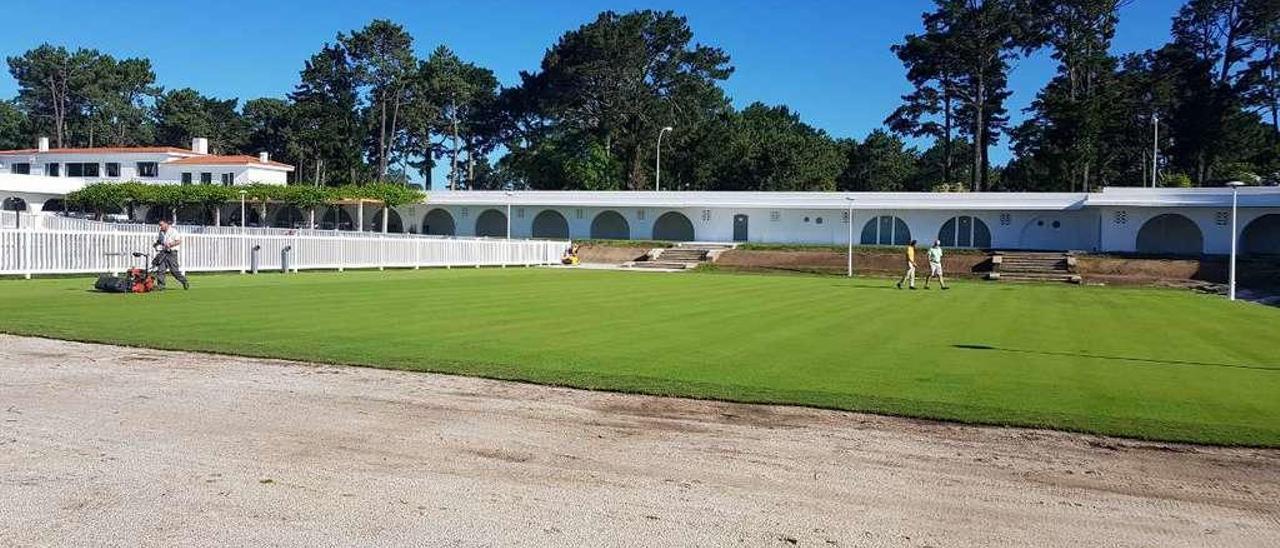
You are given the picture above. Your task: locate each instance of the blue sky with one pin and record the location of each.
(829, 60)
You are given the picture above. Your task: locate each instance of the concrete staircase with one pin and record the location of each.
(684, 256)
(1031, 266)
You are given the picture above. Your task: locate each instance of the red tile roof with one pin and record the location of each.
(233, 160)
(102, 150)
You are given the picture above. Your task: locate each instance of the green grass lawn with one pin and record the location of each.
(1144, 363)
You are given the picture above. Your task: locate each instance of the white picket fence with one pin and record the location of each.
(33, 251)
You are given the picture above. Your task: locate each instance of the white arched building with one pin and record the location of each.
(1161, 221)
(1130, 220)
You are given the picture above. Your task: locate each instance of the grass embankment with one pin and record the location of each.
(1143, 363)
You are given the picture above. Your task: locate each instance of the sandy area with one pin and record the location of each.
(114, 446)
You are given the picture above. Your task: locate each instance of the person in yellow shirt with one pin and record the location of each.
(910, 277)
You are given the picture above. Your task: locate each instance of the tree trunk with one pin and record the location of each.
(453, 169)
(391, 141)
(382, 141)
(979, 127)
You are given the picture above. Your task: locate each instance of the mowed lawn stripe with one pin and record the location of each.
(1144, 363)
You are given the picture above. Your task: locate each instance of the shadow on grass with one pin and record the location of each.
(1116, 358)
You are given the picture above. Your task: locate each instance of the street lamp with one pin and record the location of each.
(509, 194)
(849, 200)
(1235, 197)
(244, 243)
(1155, 147)
(657, 162)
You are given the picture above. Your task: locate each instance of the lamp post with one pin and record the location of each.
(1235, 198)
(1155, 147)
(849, 200)
(657, 162)
(509, 194)
(244, 245)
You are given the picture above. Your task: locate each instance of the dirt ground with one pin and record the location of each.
(114, 446)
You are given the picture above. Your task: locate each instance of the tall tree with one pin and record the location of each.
(382, 57)
(623, 77)
(327, 131)
(1074, 109)
(184, 114)
(1221, 41)
(881, 163)
(117, 102)
(14, 130)
(52, 86)
(970, 43)
(454, 100)
(931, 109)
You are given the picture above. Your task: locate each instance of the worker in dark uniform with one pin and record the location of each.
(167, 255)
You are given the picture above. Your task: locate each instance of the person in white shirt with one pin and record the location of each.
(166, 260)
(935, 265)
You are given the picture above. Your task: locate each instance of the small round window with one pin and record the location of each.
(1039, 223)
(1057, 224)
(818, 220)
(806, 219)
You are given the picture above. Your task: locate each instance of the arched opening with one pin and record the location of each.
(550, 224)
(195, 214)
(394, 224)
(289, 217)
(56, 205)
(965, 231)
(15, 203)
(1170, 234)
(610, 225)
(1262, 236)
(336, 217)
(885, 230)
(673, 226)
(438, 222)
(492, 224)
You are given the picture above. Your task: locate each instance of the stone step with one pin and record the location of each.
(661, 265)
(1039, 277)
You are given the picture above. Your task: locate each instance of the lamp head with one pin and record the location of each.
(668, 128)
(1235, 184)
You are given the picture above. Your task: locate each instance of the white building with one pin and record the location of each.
(1164, 221)
(1161, 221)
(160, 165)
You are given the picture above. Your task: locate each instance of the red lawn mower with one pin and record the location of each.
(134, 280)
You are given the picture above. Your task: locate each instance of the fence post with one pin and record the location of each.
(27, 237)
(342, 251)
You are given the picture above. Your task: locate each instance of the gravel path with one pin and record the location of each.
(107, 445)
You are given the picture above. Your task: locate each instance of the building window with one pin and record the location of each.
(113, 169)
(1220, 218)
(844, 217)
(228, 179)
(640, 214)
(706, 215)
(775, 216)
(1121, 217)
(206, 178)
(519, 212)
(52, 169)
(1006, 219)
(148, 169)
(21, 168)
(186, 178)
(578, 213)
(818, 220)
(76, 169)
(464, 212)
(885, 230)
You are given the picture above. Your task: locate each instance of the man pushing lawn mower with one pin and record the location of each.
(167, 256)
